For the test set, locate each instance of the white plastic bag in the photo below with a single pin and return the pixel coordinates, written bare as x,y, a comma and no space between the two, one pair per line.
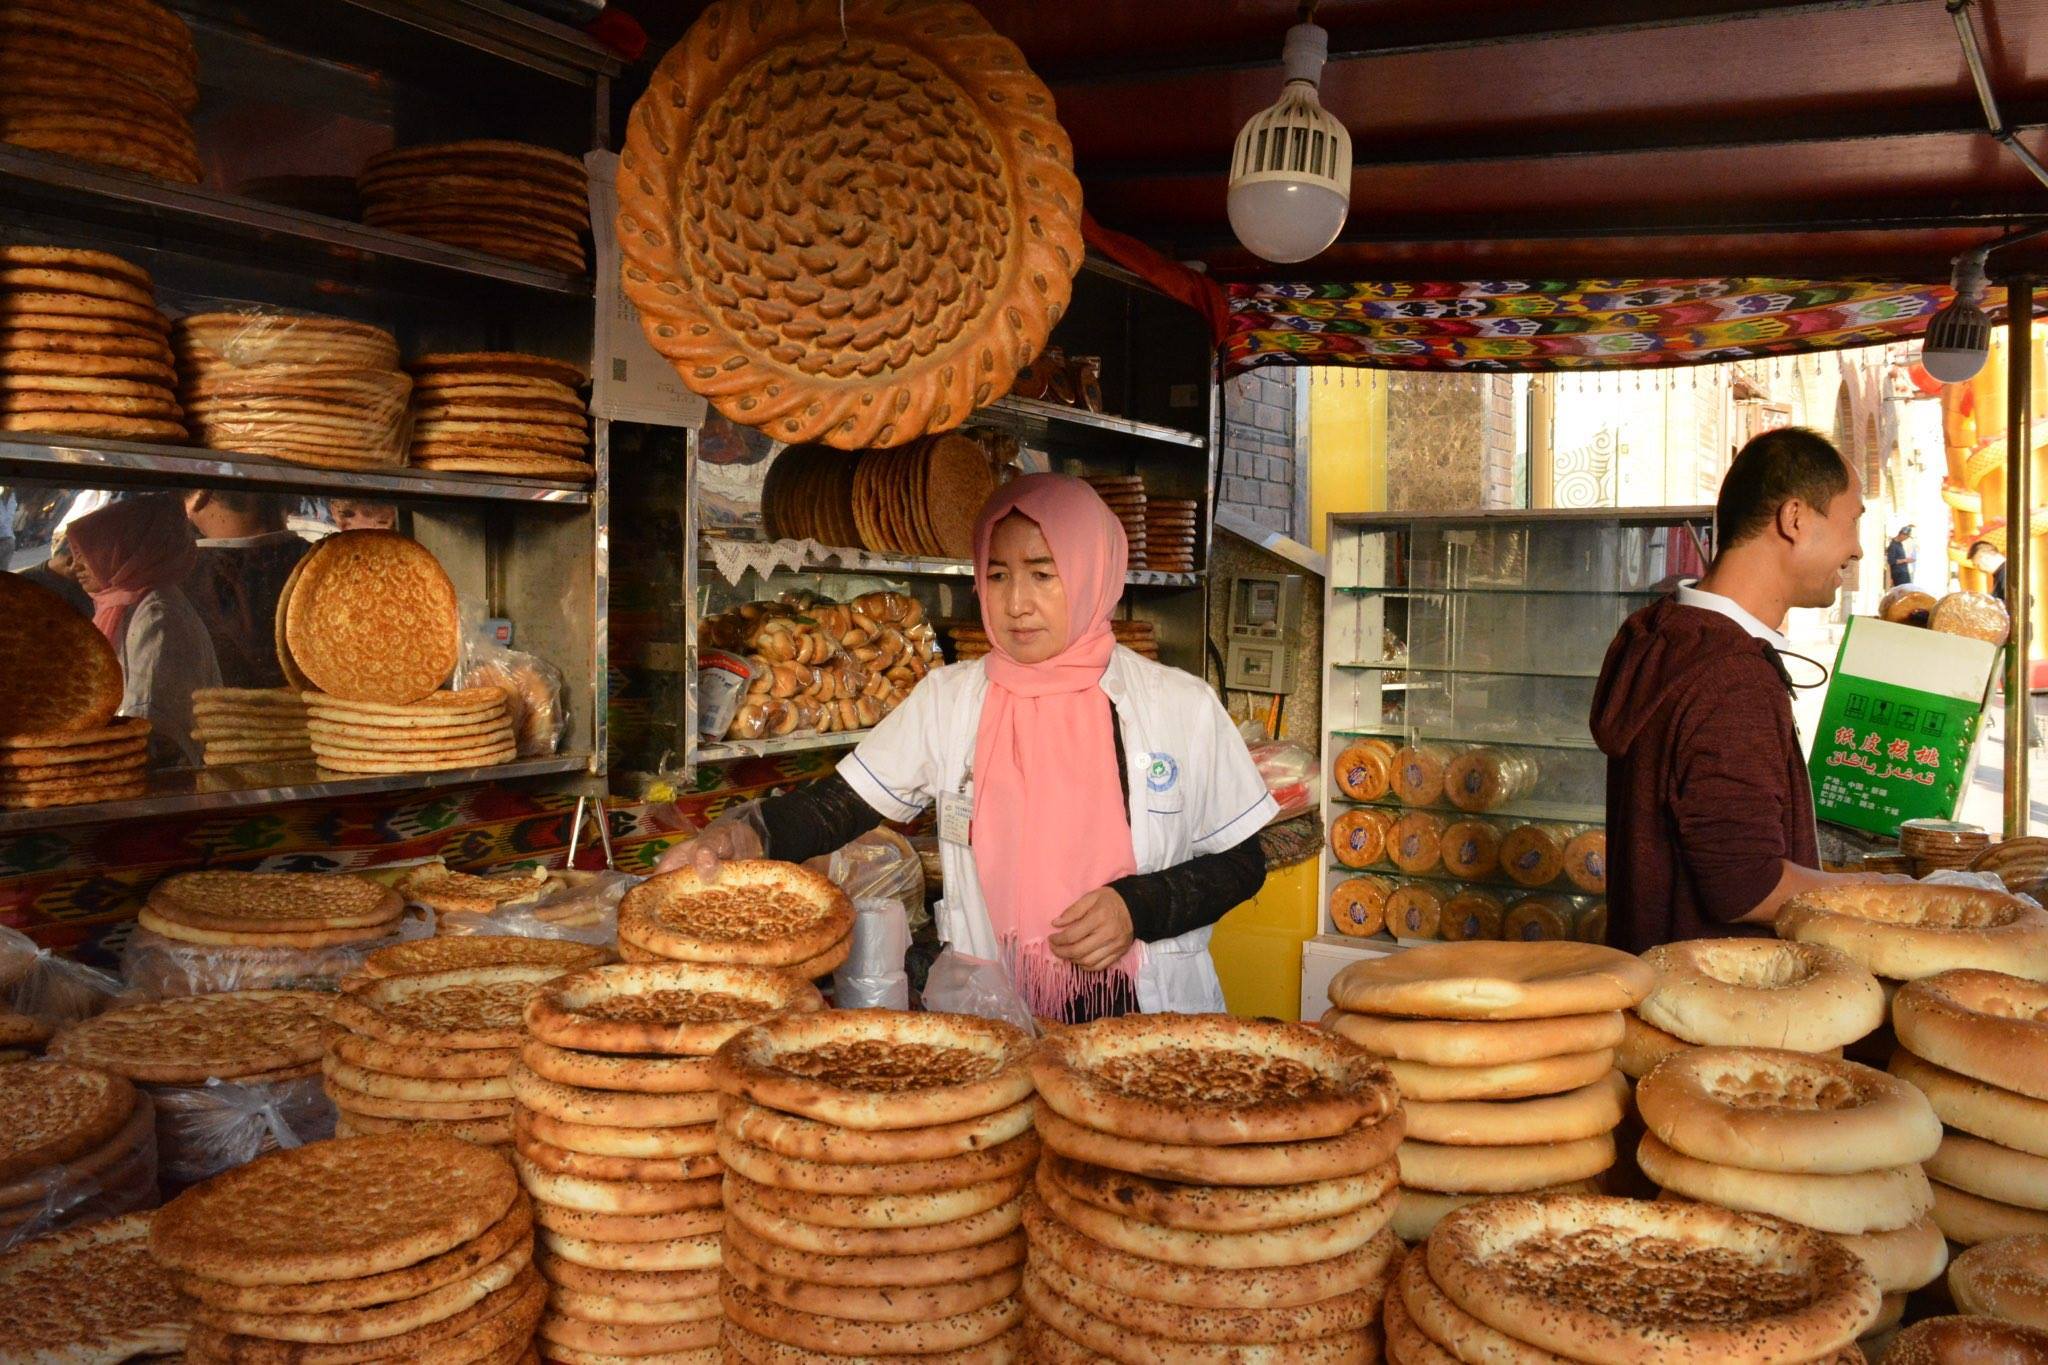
578,907
49,988
205,1129
58,1197
960,984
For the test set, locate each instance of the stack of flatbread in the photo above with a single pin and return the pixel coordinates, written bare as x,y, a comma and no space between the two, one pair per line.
76,1145
1210,1185
313,390
1817,1141
1904,931
1749,992
1976,1044
875,1171
1125,494
21,1036
416,957
1574,1277
90,1294
445,730
509,199
500,412
290,910
916,499
1170,534
251,1038
758,913
440,888
970,639
397,1247
614,1124
111,83
1505,1057
250,725
432,1051
82,347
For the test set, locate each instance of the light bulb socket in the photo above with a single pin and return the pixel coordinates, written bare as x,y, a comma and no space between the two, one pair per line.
1305,52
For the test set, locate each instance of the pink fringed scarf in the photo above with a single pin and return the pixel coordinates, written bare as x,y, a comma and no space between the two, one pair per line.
133,548
1050,823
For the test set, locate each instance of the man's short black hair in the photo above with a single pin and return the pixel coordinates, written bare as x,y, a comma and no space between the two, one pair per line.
1906,530
1977,545
1774,468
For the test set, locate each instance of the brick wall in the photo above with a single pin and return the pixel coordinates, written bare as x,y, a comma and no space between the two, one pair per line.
1261,449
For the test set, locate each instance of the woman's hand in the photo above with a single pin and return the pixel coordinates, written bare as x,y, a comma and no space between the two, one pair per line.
1094,931
717,843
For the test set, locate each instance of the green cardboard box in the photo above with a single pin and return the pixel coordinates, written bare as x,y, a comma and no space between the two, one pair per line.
1899,725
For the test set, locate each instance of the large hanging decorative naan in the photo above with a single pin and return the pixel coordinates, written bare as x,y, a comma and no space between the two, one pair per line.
854,235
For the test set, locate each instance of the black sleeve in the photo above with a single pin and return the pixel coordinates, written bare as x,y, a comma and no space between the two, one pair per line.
1192,894
814,819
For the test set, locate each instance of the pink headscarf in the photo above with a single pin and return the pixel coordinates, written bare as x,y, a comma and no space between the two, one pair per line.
132,548
1050,823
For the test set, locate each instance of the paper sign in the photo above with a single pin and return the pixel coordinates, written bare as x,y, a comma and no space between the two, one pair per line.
630,380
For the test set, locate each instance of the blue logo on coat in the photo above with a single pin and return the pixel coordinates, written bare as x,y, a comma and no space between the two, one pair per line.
1163,774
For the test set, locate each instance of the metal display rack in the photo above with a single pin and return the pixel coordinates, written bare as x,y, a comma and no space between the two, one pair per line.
362,74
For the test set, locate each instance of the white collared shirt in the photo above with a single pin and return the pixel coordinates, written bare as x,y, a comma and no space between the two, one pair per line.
1691,595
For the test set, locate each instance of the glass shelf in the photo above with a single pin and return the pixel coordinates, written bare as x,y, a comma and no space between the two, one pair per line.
1388,666
1037,419
1407,734
1513,813
725,751
1503,888
1500,590
831,559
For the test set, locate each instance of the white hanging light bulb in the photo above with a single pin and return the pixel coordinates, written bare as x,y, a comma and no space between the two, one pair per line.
1290,175
1959,336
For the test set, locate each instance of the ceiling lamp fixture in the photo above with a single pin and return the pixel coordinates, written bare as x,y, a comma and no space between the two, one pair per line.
1290,175
1959,336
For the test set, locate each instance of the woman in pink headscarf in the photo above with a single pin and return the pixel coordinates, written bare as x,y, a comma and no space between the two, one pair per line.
131,557
1097,812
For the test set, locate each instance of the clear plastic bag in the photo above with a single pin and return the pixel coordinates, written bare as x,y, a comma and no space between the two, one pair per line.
46,987
881,874
959,984
158,966
534,690
1289,771
203,1130
1978,881
578,907
99,1185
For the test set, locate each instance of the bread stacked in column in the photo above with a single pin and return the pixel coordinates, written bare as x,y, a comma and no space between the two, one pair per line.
1504,1053
1829,1144
875,1171
398,1247
1750,992
76,1145
1976,1044
1904,932
432,1051
1571,1277
1213,1189
614,1125
758,913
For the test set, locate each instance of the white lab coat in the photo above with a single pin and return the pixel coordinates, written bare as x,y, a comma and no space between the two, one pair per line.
1194,790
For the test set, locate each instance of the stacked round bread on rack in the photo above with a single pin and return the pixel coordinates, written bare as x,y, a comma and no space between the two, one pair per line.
305,910
1170,535
1903,932
250,725
614,1126
313,390
398,1247
91,1293
1750,992
177,1049
1976,1044
499,412
875,1171
82,345
1569,1278
419,956
510,199
2006,1278
1504,1053
76,1145
469,728
758,913
970,639
1125,496
1825,1143
113,85
433,1051
60,684
1212,1189
1365,770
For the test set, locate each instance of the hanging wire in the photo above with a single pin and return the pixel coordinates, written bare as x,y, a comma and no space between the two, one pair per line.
844,37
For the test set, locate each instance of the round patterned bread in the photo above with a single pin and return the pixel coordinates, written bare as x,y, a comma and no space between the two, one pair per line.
2004,1279
1759,992
477,1007
1877,1200
762,913
878,1069
1217,1208
56,1111
188,1039
763,287
1274,1163
684,1009
1987,1111
1628,1282
1968,1340
1984,1025
60,672
1481,980
809,1140
1573,1116
89,1294
373,618
1210,1079
335,1210
1477,1042
1774,1110
479,950
1907,932
281,901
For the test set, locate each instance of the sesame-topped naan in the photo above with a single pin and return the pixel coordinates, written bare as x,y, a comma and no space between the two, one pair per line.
281,901
89,1295
57,672
192,1038
477,1007
878,1069
53,1111
760,912
679,1009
